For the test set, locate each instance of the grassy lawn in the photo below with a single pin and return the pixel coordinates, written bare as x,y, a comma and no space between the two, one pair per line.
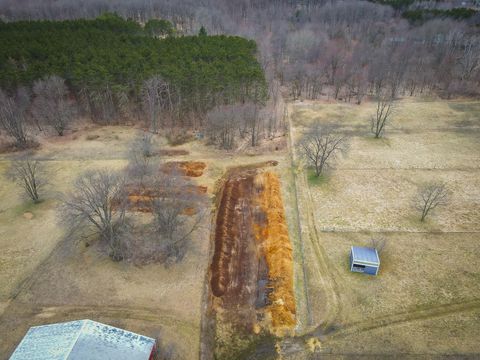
427,289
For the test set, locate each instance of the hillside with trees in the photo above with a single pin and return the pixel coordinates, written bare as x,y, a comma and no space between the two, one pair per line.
107,64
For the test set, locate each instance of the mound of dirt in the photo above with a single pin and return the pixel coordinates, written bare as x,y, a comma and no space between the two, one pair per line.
251,274
185,168
272,236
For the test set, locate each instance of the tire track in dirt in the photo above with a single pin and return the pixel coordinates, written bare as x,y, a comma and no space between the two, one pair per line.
156,315
408,316
324,274
297,345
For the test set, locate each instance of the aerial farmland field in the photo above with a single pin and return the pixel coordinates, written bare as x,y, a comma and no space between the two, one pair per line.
428,285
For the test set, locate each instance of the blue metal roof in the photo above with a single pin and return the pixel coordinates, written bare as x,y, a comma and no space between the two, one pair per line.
365,255
82,340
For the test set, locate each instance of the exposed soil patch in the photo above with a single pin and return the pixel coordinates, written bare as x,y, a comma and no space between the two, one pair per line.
185,168
172,152
141,198
251,274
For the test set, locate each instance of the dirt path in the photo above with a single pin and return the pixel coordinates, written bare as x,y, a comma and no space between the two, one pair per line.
320,266
408,316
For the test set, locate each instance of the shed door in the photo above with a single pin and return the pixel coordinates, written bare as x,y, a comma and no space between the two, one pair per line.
358,268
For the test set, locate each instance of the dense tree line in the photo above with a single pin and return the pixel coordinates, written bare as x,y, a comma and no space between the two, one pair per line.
424,14
345,49
107,63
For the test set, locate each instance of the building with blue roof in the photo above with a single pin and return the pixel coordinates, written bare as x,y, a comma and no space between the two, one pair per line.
83,340
364,260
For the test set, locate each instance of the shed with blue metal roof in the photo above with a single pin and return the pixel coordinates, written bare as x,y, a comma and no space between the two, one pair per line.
364,260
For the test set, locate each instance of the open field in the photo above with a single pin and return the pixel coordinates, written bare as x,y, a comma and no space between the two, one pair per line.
46,276
426,297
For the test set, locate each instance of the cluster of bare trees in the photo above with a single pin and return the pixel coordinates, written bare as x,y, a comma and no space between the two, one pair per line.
13,118
100,202
343,49
51,104
46,105
158,102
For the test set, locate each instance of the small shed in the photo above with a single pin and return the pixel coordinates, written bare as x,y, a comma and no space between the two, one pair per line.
83,340
364,260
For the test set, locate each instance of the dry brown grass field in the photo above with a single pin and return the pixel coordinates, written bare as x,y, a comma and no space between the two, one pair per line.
426,299
49,276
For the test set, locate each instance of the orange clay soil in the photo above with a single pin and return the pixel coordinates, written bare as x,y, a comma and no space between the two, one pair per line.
140,198
185,168
251,274
272,238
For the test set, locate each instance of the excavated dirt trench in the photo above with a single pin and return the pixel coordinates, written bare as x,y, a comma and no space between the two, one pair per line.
251,273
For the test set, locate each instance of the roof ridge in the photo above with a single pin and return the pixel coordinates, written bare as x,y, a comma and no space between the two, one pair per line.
84,322
123,330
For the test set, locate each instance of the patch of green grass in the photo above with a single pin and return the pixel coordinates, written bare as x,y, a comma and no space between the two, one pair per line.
378,141
250,347
315,180
471,107
27,206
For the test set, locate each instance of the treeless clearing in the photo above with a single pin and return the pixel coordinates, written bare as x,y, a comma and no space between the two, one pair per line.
427,288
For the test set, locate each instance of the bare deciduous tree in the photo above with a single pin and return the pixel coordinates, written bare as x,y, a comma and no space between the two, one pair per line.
12,120
99,199
51,104
30,175
140,155
157,97
178,213
320,146
430,196
221,125
384,110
